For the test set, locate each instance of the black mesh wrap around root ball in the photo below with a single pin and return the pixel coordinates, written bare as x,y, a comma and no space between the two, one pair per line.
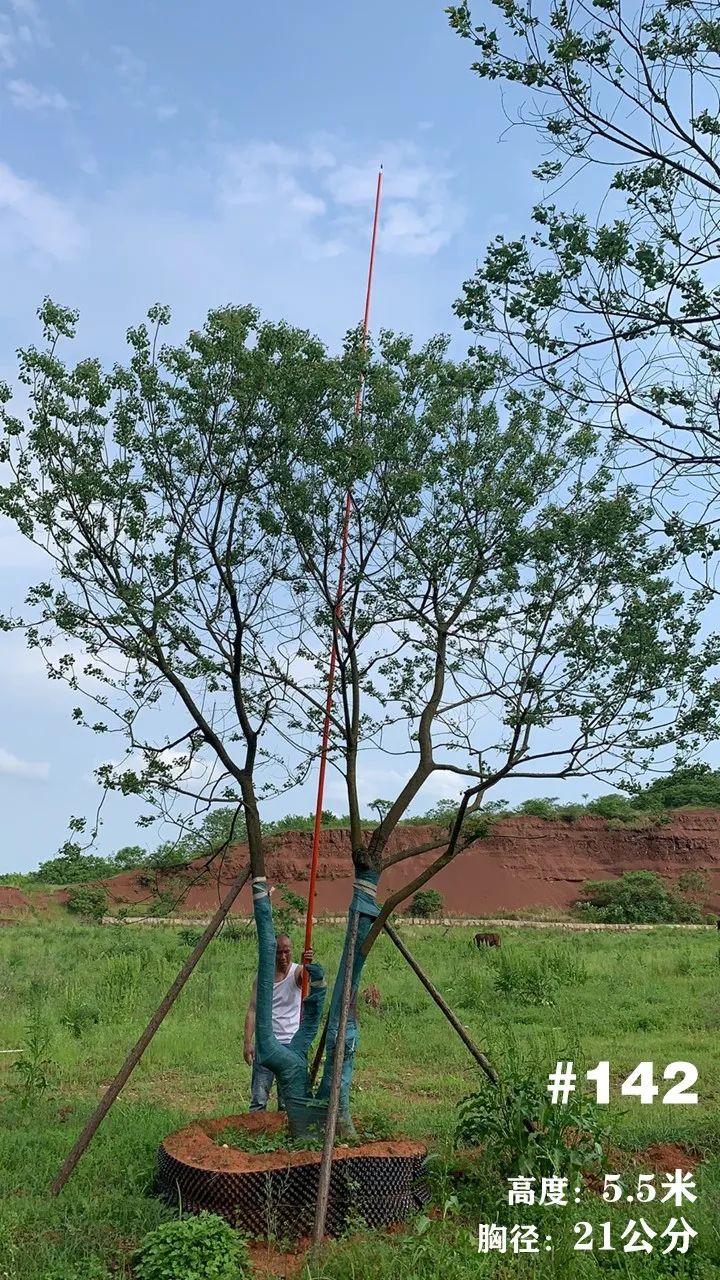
280,1201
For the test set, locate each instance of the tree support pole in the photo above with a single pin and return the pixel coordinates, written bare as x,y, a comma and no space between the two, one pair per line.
334,1096
319,1052
137,1052
338,604
479,1057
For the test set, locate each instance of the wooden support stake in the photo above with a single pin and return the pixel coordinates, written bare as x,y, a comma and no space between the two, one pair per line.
334,1098
454,1021
137,1052
319,1053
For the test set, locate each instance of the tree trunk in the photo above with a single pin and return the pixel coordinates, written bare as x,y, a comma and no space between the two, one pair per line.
364,905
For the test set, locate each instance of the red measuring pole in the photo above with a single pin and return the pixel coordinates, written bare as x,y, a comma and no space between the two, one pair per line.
338,606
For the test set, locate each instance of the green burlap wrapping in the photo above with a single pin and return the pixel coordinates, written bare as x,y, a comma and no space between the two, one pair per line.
363,902
289,1062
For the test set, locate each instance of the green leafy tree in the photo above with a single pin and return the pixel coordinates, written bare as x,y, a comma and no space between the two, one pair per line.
545,807
507,611
426,903
609,302
698,786
636,897
73,866
129,857
614,805
380,807
89,901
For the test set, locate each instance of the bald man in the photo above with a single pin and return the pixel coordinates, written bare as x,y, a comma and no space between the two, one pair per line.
286,1006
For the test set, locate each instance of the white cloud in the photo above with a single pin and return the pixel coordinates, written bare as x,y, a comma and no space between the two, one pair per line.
304,185
32,218
12,766
8,56
265,174
420,213
20,29
255,223
136,85
28,97
130,68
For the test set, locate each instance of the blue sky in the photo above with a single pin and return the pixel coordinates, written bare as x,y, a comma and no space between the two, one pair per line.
202,154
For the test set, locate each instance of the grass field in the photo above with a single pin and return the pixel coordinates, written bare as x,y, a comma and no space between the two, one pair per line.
87,991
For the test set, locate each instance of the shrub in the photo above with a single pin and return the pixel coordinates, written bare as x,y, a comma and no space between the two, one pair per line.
32,1068
563,1139
526,979
79,1017
636,897
613,806
73,867
571,812
304,822
426,903
191,936
89,901
540,808
163,904
194,1248
692,883
232,932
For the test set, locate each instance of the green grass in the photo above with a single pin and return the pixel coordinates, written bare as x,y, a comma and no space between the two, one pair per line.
624,997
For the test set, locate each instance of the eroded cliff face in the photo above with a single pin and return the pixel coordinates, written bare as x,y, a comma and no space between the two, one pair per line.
525,862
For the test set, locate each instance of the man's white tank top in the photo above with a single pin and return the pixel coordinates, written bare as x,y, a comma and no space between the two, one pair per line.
287,999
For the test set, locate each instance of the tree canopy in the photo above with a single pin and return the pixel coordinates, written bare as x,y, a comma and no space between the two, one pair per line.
698,786
508,609
610,302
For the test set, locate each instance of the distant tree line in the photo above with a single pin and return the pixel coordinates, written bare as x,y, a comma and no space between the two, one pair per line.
697,786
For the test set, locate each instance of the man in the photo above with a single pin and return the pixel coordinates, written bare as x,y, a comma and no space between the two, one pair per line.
286,1007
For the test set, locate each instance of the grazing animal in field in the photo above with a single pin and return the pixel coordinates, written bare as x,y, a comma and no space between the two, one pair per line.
487,939
371,996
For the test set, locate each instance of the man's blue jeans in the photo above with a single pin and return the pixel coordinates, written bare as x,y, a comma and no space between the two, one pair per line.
262,1082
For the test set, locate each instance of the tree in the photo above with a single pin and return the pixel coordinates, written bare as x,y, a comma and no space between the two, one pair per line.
506,611
427,903
636,897
70,867
611,305
381,807
697,785
129,857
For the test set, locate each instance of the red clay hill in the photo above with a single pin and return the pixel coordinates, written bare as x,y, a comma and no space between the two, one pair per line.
524,862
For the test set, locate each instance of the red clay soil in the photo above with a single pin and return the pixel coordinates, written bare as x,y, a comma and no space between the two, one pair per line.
194,1145
666,1157
12,899
270,1263
525,862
